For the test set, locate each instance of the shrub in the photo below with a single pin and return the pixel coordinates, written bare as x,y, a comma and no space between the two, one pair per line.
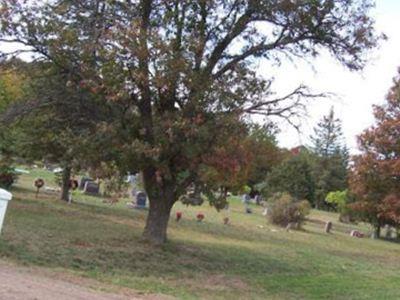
285,209
7,177
341,200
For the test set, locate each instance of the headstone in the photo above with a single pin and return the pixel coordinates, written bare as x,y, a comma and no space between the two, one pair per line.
192,198
91,188
328,227
356,233
258,199
292,226
141,199
83,182
5,197
246,199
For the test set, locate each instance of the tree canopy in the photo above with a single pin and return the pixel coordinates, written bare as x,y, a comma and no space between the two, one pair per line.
331,157
375,176
184,70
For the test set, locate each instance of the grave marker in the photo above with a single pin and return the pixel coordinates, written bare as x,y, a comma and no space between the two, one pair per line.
91,188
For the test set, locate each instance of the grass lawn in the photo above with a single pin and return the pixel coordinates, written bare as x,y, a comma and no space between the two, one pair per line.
248,259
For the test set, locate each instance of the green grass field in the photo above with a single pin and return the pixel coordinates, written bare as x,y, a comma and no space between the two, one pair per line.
248,259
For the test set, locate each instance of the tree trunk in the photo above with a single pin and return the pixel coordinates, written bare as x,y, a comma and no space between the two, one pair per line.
65,186
155,231
378,231
162,197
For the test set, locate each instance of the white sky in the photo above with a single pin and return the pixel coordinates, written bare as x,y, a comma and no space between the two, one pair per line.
356,92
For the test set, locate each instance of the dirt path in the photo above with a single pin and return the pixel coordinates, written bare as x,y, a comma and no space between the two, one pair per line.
22,283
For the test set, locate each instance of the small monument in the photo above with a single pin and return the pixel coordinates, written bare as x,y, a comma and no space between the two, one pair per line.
292,226
246,201
5,197
265,212
328,227
356,233
83,182
91,188
141,199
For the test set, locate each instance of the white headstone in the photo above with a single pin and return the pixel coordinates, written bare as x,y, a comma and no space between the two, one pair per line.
5,197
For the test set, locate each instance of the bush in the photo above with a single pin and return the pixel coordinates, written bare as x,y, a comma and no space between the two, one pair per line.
7,177
341,200
284,209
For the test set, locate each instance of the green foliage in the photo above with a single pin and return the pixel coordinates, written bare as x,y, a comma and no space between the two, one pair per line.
294,176
7,176
191,198
103,243
374,178
331,157
338,198
265,152
173,72
58,178
328,139
284,209
341,201
13,83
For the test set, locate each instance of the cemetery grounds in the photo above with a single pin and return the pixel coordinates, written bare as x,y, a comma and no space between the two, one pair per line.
248,259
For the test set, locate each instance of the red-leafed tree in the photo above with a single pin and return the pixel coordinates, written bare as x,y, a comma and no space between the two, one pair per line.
375,176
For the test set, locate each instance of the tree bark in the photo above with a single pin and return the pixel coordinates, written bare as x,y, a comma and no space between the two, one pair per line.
65,186
162,197
155,231
378,231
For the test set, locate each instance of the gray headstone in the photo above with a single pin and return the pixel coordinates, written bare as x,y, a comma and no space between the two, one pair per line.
141,199
328,227
91,188
83,182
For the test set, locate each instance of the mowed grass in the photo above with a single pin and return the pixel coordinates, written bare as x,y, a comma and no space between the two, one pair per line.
249,259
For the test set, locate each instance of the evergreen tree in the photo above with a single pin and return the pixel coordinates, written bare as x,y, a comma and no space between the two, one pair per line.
327,140
330,169
294,176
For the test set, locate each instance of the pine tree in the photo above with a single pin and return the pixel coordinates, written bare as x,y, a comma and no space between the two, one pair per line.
331,157
328,138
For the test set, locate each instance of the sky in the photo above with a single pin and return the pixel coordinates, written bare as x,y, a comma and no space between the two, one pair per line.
354,92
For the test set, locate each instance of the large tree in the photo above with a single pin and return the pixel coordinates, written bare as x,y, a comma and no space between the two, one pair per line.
294,176
331,157
265,152
53,121
13,83
375,176
184,66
